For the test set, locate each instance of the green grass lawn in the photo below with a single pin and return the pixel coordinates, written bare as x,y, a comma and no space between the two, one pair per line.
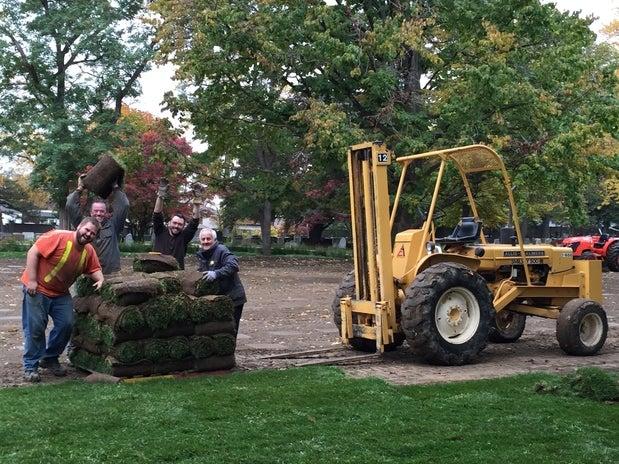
306,415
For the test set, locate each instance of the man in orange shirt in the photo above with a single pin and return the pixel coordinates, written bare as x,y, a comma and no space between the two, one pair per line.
53,264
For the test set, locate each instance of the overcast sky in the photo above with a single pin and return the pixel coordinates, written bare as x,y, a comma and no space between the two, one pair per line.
158,80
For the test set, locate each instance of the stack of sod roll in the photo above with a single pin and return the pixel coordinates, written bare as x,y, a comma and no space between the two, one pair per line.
152,323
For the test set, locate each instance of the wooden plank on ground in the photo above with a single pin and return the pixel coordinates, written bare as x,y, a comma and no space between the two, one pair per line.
345,360
299,354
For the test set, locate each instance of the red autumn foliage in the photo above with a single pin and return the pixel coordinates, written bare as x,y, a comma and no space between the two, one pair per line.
154,151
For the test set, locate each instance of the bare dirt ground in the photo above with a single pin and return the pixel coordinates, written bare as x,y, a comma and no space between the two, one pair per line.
289,310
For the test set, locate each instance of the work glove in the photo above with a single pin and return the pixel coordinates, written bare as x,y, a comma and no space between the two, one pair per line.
197,191
162,191
209,276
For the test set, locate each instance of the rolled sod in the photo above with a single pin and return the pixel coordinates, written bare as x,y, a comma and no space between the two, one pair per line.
94,332
202,346
84,286
160,313
211,308
224,344
154,262
126,277
156,350
127,319
90,345
177,329
179,348
103,175
129,352
169,282
106,365
215,327
89,361
131,292
88,327
86,304
193,284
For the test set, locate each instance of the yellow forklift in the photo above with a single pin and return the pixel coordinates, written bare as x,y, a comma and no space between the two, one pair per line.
447,297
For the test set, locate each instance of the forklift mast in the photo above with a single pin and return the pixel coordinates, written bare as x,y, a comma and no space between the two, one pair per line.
374,304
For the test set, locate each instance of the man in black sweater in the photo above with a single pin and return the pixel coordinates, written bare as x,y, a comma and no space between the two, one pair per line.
174,239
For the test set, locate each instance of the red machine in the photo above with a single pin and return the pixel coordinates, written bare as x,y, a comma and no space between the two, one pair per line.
598,246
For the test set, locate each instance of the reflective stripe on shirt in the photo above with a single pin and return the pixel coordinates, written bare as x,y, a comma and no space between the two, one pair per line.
61,263
80,265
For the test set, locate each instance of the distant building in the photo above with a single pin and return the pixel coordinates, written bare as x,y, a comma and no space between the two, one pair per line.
15,222
47,216
9,214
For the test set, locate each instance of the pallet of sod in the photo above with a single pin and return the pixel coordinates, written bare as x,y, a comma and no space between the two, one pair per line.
144,324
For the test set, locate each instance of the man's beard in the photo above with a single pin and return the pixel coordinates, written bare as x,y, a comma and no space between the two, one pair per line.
82,240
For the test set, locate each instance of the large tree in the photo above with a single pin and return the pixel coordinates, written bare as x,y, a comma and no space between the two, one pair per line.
241,109
66,66
518,75
532,82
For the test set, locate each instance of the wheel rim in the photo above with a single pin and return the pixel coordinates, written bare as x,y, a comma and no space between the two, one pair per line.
457,315
505,320
591,329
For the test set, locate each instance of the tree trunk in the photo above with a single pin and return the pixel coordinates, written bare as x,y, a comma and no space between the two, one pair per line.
63,218
315,233
140,230
546,228
265,227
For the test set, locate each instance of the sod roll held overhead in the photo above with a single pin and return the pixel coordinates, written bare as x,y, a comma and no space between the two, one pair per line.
132,291
103,175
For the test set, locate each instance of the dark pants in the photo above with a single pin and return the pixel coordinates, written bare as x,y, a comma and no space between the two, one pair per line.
237,316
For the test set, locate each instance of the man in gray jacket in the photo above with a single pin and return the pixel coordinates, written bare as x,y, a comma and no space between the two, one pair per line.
112,223
218,264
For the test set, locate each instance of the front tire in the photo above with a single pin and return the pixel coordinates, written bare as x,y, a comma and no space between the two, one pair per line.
446,314
582,327
612,257
347,288
588,256
507,326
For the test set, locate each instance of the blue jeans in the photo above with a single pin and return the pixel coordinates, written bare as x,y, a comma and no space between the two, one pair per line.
36,311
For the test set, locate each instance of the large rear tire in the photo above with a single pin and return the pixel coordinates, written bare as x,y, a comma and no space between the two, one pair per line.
446,314
347,288
507,326
612,256
582,327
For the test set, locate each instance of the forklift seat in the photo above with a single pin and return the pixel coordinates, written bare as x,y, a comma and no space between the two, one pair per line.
468,230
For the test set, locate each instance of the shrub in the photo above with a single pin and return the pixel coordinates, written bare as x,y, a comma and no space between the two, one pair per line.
136,247
14,244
